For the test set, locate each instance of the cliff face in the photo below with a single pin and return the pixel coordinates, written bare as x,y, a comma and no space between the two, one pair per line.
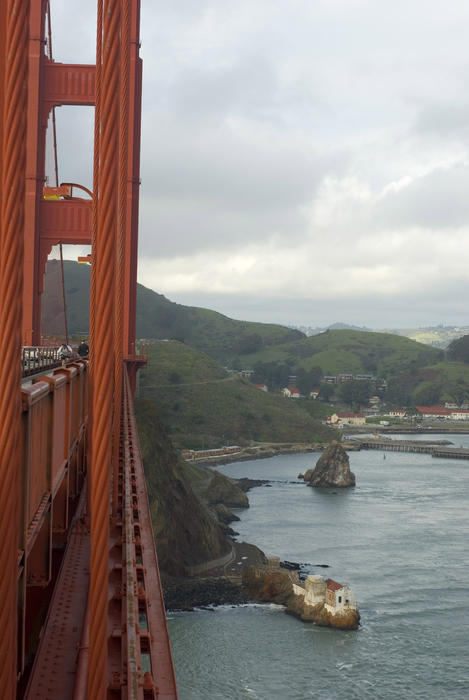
332,468
186,533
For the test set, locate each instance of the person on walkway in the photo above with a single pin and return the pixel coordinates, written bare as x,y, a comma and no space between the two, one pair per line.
83,349
64,353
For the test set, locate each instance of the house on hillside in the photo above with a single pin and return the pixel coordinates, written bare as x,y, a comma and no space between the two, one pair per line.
397,413
291,392
262,387
344,378
314,394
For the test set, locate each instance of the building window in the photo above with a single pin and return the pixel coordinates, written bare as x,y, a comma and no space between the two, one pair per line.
340,599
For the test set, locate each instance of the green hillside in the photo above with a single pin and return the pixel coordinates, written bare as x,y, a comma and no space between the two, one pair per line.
157,317
435,384
172,362
201,406
346,351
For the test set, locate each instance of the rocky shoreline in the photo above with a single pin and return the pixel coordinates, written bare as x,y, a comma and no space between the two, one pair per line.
248,575
187,594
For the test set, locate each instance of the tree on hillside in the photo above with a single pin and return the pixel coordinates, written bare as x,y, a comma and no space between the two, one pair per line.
459,391
399,390
326,391
428,395
355,392
459,349
251,342
307,380
274,374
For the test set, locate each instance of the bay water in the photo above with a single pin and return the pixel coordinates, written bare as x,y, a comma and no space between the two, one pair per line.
400,539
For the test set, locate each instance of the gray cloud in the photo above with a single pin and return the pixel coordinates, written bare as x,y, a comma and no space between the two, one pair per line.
308,156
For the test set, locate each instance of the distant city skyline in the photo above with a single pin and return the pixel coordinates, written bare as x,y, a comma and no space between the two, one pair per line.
302,163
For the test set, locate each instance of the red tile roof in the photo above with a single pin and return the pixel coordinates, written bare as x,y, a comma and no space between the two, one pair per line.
434,410
351,415
333,585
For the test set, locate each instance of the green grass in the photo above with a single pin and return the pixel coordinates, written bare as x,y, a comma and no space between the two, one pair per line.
201,406
172,362
216,414
453,371
450,378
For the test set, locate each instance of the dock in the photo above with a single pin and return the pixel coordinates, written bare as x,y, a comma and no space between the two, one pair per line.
415,446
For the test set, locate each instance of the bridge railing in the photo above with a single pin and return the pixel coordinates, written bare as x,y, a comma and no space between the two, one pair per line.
54,419
38,358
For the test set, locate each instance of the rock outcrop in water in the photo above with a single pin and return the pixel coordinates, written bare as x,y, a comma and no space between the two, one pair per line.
332,469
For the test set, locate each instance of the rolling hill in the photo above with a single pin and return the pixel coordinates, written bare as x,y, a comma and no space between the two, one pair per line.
157,317
348,351
416,373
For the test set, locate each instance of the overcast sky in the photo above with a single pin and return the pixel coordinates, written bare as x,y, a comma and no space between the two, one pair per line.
303,161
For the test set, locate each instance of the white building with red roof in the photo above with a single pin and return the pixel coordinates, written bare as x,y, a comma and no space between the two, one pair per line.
434,411
335,596
291,392
341,419
338,596
459,414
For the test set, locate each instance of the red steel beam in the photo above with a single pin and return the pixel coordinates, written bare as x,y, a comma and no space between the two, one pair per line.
68,84
14,15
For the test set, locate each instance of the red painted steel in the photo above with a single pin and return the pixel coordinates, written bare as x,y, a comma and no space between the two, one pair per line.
133,183
35,172
54,418
112,642
68,84
103,271
155,652
121,234
55,666
48,223
14,65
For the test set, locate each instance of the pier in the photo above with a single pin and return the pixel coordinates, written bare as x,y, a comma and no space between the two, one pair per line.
414,446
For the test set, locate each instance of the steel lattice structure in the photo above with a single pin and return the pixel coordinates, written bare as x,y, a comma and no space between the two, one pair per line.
82,612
